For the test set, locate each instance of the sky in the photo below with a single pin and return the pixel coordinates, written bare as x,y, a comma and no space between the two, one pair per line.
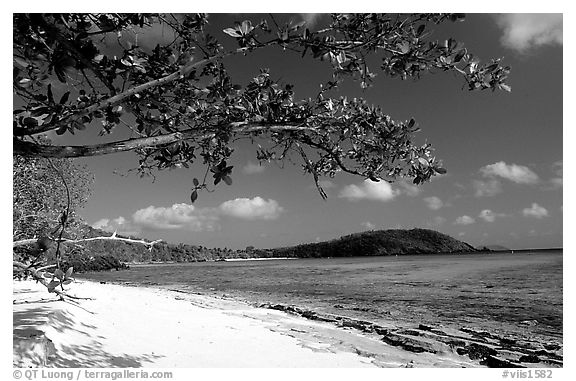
502,151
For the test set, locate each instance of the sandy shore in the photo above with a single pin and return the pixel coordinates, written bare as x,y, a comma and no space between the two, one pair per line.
122,326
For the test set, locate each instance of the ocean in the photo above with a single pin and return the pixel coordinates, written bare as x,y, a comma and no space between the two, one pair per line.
518,295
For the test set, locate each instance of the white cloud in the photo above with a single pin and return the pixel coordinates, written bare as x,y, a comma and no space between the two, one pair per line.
535,211
251,209
524,31
464,220
433,202
119,225
409,189
101,224
513,172
489,216
178,216
487,188
368,225
369,190
252,168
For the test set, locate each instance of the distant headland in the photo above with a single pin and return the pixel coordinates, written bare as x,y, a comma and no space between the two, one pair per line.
103,255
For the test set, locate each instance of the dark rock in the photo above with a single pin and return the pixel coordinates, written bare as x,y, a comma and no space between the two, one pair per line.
338,306
408,343
462,351
496,362
505,341
410,332
529,358
357,324
551,355
423,327
552,346
380,330
478,351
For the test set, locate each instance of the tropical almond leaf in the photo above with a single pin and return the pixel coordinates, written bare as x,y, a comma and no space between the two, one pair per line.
59,274
194,196
227,179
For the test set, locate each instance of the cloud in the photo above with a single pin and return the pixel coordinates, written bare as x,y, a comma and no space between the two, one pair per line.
119,225
252,168
178,216
190,218
368,225
369,190
523,32
251,209
535,211
409,189
433,202
465,220
513,172
487,188
489,216
101,224
556,182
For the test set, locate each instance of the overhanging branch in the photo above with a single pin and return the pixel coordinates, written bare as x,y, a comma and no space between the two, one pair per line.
29,149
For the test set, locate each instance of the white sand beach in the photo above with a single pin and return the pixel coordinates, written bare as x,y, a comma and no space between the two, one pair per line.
123,326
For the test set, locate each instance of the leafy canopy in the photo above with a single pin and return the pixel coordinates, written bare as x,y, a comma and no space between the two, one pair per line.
179,104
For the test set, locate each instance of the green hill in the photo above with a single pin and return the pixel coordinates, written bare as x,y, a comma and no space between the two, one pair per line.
106,254
380,242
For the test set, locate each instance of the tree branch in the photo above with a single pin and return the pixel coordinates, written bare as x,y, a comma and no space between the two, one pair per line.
24,148
113,237
181,73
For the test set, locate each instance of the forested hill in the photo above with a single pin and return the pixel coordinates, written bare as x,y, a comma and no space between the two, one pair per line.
380,242
371,243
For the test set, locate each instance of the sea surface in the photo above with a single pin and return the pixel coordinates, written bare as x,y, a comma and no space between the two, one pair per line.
517,294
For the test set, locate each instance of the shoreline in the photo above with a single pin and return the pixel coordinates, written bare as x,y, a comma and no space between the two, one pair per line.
123,326
235,333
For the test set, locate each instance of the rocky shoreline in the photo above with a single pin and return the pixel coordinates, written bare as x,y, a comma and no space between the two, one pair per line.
486,348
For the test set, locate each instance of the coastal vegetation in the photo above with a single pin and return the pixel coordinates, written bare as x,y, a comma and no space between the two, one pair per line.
117,254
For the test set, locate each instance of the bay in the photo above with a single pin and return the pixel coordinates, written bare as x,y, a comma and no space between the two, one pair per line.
518,295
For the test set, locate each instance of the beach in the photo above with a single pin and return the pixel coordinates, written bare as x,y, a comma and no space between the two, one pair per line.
124,326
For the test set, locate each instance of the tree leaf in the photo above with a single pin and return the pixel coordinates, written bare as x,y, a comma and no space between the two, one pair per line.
440,170
64,98
30,122
69,272
227,179
59,274
232,32
420,30
53,284
195,181
194,196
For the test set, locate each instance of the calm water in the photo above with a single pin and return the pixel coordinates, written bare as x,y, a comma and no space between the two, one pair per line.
494,291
